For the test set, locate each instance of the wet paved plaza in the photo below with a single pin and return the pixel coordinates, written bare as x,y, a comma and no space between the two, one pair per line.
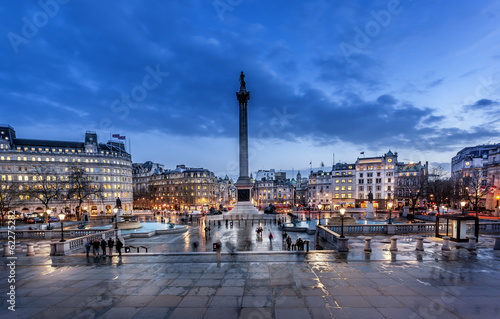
266,282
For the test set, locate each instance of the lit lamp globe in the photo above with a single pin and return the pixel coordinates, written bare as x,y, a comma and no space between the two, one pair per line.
342,211
390,205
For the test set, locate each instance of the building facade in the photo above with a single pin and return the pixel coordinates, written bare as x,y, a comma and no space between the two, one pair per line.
411,182
141,177
184,189
376,175
107,167
226,191
343,186
478,166
320,190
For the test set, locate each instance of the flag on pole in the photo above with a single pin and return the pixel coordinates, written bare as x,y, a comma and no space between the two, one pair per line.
362,152
116,135
121,137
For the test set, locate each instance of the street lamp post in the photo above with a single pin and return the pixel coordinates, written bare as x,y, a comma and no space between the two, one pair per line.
463,205
48,216
61,219
390,213
115,210
498,198
319,213
342,212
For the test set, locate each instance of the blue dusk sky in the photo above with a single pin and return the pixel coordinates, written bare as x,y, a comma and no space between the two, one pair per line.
328,79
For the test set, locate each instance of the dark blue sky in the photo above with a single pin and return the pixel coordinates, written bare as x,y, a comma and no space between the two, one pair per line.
326,77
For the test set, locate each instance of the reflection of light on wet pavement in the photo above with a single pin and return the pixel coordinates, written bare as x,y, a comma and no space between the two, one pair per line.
242,236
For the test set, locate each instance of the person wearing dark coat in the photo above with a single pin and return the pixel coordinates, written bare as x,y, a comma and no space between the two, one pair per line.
103,247
95,246
111,243
119,246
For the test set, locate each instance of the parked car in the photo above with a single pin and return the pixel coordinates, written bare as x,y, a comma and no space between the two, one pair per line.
32,220
53,219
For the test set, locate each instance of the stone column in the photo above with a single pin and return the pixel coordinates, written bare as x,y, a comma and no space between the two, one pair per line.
497,243
30,251
394,244
6,251
446,243
243,96
368,246
472,243
420,243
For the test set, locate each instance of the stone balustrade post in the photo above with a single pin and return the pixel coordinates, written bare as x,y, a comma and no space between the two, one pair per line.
394,244
368,242
420,243
472,243
343,244
446,243
30,251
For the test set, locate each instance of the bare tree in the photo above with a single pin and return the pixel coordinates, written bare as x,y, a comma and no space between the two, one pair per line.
475,187
412,189
82,188
9,195
143,198
48,185
439,188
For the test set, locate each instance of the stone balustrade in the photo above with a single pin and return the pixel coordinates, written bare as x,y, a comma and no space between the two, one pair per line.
71,245
412,228
50,234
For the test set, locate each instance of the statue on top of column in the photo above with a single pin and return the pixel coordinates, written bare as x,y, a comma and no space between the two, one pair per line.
242,81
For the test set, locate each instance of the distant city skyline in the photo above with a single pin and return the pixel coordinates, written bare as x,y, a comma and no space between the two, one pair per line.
420,79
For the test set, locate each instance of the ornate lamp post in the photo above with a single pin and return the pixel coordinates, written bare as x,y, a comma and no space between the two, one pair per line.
115,210
41,216
342,213
390,212
61,219
319,213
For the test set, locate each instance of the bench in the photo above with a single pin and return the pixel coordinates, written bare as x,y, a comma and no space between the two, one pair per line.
127,248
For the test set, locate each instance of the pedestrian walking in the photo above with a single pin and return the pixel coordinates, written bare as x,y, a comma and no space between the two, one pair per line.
103,247
218,248
119,246
111,244
271,237
95,246
288,242
87,247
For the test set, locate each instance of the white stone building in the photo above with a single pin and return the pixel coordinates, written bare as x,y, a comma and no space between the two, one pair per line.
108,166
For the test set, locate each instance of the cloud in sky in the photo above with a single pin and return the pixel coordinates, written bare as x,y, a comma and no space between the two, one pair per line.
171,69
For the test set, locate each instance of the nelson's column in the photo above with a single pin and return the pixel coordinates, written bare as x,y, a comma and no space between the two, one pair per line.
244,185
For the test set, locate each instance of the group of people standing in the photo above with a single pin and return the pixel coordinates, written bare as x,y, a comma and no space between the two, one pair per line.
102,244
